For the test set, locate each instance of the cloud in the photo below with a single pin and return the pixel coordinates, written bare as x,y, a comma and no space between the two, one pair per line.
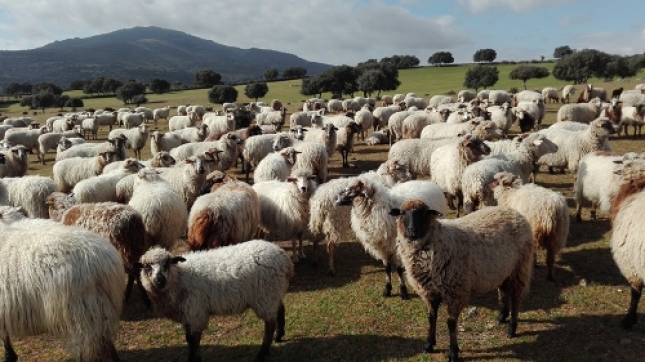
333,31
567,20
613,43
478,6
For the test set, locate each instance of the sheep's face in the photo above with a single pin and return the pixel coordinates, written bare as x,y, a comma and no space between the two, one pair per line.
330,130
199,165
20,152
57,203
133,165
356,189
165,159
504,181
413,219
290,155
155,268
305,183
214,178
604,125
299,133
476,146
540,145
280,142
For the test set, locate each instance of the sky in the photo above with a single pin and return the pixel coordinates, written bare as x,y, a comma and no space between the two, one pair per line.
345,31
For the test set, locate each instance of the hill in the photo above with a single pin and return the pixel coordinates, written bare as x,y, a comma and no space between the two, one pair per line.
142,53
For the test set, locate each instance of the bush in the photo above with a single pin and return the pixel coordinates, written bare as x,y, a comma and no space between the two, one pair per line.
222,94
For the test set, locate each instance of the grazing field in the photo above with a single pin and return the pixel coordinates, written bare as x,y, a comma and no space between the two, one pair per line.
345,318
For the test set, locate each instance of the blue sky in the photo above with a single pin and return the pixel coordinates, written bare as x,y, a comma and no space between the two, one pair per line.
343,31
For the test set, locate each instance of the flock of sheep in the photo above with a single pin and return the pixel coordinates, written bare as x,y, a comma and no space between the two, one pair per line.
104,218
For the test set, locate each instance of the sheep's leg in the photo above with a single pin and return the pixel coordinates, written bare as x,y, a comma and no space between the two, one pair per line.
503,294
110,350
515,308
193,340
550,260
631,318
579,211
9,354
294,252
453,352
128,288
267,339
345,155
279,332
247,170
593,210
330,251
403,290
432,330
301,250
388,280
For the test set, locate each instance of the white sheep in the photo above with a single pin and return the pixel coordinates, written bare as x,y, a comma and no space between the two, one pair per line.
487,129
499,97
255,149
395,123
466,95
568,91
547,211
179,122
193,134
477,176
116,145
307,119
381,115
29,193
15,163
284,208
227,213
219,124
276,166
164,142
413,125
581,112
70,171
187,177
188,289
345,140
162,208
148,114
181,110
572,146
413,101
447,261
49,141
25,137
159,113
90,126
550,94
326,136
106,119
313,156
81,285
129,120
569,126
228,144
501,116
633,116
103,187
136,138
364,118
382,137
63,124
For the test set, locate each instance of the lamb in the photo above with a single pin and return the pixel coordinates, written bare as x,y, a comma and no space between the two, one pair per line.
228,215
276,166
82,284
193,134
15,162
567,93
180,122
187,177
162,208
333,221
572,146
90,126
364,119
477,176
164,142
633,116
29,193
449,260
546,211
284,207
370,204
626,237
50,141
115,145
189,288
327,136
345,141
136,138
70,171
120,224
583,113
499,97
103,187
379,137
159,113
551,94
448,162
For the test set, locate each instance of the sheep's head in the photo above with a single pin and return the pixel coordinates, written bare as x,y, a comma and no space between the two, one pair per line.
304,181
475,146
281,141
330,130
163,159
197,164
213,154
539,145
289,155
20,152
413,217
359,188
298,132
353,128
253,130
504,181
59,202
132,165
155,267
398,171
214,180
603,125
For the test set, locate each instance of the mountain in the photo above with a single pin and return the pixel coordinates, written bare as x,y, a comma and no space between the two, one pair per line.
142,53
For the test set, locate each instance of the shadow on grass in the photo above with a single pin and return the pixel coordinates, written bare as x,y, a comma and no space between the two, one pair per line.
338,348
587,231
577,338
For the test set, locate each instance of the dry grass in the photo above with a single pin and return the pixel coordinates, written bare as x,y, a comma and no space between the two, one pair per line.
345,318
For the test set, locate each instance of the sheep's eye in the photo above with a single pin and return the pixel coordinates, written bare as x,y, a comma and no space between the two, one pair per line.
147,268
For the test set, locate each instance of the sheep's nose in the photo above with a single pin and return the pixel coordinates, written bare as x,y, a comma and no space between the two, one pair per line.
303,189
159,281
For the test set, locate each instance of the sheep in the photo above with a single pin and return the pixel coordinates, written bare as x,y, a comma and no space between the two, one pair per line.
17,122
483,95
50,141
120,224
499,97
591,92
546,211
78,297
228,145
449,260
479,126
276,118
415,153
25,137
327,136
337,105
135,138
616,92
569,126
164,142
179,122
626,237
436,101
181,110
15,162
633,116
505,146
189,288
448,162
568,92
255,149
398,98
161,206
364,119
161,159
501,116
527,96
345,141
129,120
395,123
115,145
313,157
29,193
387,100
187,177
276,166
148,114
106,119
413,125
551,94
583,113
284,207
379,137
307,119
478,175
412,101
103,187
198,109
381,115
193,134
90,126
572,146
63,124
70,171
219,124
229,214
466,95
159,113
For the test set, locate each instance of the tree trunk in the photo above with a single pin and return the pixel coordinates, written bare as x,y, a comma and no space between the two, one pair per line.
524,85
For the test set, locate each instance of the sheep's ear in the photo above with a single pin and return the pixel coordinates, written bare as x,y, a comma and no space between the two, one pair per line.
619,162
292,179
189,161
177,259
434,213
396,212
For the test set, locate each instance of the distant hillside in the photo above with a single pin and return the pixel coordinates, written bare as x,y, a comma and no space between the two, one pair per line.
142,53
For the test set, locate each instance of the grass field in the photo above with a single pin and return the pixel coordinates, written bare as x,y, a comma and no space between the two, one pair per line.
345,318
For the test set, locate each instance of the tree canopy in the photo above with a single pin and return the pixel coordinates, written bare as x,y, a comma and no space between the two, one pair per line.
294,73
47,87
256,90
481,76
401,61
484,55
74,103
18,88
582,65
562,51
130,89
222,94
526,72
440,58
207,78
159,86
102,85
271,74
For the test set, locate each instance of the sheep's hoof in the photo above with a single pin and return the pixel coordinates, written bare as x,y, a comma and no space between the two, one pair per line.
628,321
403,291
429,348
388,290
512,328
501,318
278,337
